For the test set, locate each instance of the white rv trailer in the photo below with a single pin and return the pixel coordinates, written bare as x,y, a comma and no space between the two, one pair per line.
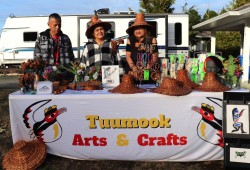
18,36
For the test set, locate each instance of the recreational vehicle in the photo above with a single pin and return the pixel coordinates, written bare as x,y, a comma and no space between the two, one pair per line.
20,33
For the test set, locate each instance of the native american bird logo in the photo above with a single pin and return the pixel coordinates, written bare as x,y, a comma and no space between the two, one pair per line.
44,125
209,123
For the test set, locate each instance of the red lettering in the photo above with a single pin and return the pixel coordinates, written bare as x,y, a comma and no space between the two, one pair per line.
170,139
86,141
151,141
89,141
103,142
77,140
183,140
141,141
161,141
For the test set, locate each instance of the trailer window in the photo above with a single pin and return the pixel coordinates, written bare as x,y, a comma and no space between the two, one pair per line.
110,34
152,23
29,36
178,33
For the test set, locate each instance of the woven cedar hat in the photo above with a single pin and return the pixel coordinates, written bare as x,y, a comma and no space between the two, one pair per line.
172,87
95,22
211,84
182,75
139,22
127,86
25,155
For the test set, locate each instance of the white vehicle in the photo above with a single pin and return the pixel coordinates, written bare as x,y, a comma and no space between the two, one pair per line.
20,33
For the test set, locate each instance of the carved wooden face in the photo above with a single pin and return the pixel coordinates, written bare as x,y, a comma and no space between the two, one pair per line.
211,66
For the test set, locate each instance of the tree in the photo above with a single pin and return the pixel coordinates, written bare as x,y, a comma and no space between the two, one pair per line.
209,14
229,42
223,11
156,6
236,4
194,18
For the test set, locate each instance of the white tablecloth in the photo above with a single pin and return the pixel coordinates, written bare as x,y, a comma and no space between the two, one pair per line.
101,125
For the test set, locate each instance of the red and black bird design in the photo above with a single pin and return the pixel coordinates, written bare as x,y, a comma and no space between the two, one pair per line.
44,125
209,123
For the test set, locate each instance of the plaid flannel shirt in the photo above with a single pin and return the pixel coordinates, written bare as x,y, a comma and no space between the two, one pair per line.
44,48
98,55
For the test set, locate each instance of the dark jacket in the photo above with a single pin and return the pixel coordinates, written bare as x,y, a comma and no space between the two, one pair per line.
44,48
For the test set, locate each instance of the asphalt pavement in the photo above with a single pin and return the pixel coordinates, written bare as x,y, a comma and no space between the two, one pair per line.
8,82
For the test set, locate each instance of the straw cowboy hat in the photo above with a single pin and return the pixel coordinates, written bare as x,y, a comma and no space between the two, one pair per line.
25,155
139,22
127,86
95,22
211,84
172,87
182,75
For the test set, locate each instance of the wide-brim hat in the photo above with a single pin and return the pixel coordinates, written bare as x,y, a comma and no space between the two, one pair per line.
127,86
211,84
139,22
172,87
25,155
182,75
95,22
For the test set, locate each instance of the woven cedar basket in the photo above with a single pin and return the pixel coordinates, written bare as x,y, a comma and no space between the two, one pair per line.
127,86
182,75
211,84
90,85
172,87
25,155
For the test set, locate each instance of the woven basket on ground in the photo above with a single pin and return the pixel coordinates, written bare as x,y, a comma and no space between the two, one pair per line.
25,155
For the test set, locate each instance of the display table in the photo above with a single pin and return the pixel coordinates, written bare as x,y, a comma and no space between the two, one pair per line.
101,125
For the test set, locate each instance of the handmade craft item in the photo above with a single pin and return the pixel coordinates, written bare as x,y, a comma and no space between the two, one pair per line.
127,86
172,66
194,70
181,61
25,155
164,68
201,72
211,84
182,75
172,87
155,72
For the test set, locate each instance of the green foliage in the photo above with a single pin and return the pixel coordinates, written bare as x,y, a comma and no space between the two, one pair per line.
232,70
236,4
194,18
209,14
156,6
228,43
